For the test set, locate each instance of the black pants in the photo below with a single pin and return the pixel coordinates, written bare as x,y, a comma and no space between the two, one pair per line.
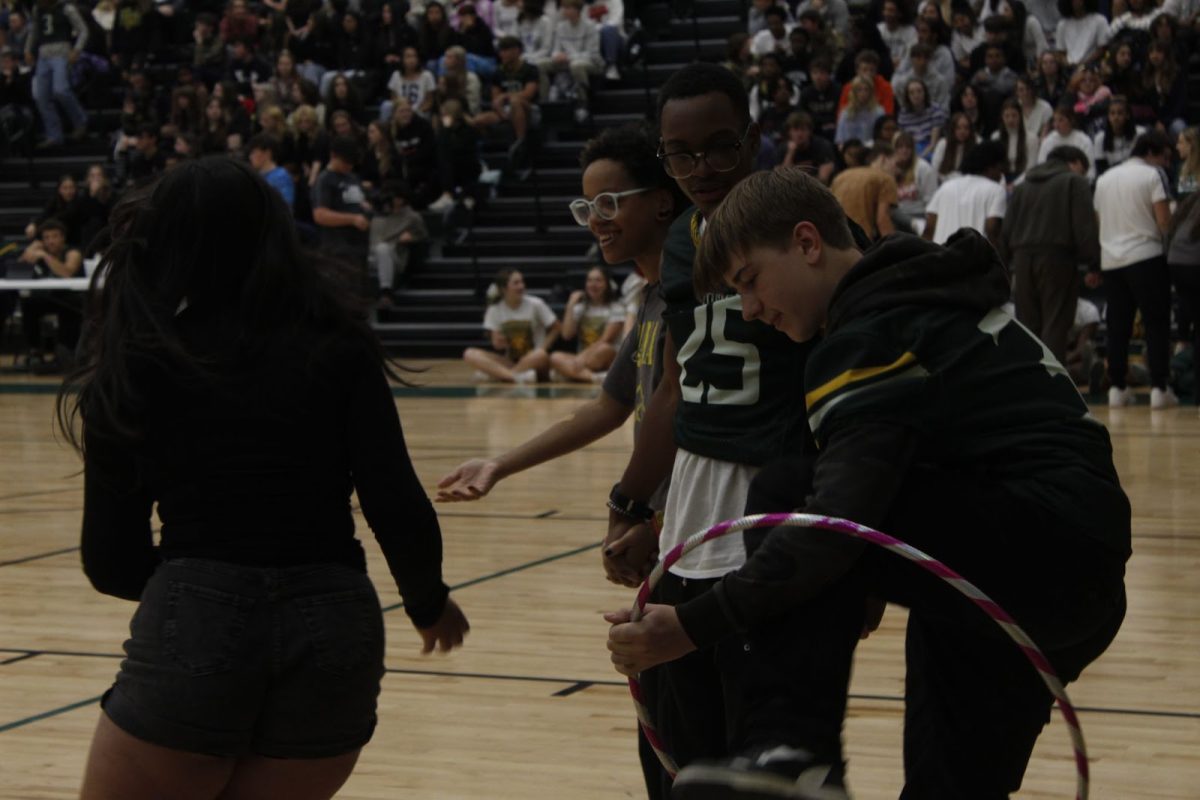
1186,278
694,700
1145,285
66,306
974,706
1045,291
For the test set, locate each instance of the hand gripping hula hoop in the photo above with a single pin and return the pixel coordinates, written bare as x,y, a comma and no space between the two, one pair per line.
926,562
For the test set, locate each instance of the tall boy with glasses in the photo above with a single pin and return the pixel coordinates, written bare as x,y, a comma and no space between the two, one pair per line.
731,400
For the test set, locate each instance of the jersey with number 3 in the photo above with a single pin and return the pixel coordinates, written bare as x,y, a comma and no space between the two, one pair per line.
741,383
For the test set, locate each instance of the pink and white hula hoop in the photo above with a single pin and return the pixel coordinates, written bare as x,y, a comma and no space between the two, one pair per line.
926,562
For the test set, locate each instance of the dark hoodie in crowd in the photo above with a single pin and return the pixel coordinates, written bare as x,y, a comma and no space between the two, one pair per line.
921,373
1051,213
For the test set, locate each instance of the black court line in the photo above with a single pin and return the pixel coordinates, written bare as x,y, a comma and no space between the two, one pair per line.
54,712
511,570
526,517
492,576
489,676
15,659
36,556
71,653
39,493
573,685
38,510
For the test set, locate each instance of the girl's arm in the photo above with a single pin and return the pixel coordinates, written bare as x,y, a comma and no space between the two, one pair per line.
117,545
552,335
473,479
499,340
570,324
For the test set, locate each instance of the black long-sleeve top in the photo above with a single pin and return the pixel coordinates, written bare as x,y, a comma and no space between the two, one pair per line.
258,470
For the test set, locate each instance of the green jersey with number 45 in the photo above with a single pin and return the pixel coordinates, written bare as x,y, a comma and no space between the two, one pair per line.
741,383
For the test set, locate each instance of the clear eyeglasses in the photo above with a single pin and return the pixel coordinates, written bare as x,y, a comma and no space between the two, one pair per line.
605,205
721,157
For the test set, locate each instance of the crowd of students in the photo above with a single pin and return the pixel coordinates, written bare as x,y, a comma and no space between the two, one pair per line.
408,89
953,74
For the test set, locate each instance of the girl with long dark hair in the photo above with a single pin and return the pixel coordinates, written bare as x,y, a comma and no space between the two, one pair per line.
1019,148
948,154
1166,88
230,379
1114,143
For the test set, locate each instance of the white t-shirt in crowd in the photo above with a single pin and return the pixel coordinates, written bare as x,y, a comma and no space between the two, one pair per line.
592,320
1124,201
898,41
1079,37
765,42
1122,147
524,326
1038,118
912,198
967,201
414,90
1076,138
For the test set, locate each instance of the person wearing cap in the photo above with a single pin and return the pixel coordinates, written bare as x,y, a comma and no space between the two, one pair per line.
340,206
514,95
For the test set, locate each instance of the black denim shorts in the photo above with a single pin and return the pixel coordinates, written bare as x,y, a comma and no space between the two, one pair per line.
233,660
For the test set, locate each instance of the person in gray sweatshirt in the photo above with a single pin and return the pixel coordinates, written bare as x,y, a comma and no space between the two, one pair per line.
1048,231
575,49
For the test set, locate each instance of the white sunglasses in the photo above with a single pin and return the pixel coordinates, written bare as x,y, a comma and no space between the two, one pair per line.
605,205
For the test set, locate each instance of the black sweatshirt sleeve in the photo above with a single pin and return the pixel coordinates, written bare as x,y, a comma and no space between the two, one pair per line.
117,545
393,502
858,475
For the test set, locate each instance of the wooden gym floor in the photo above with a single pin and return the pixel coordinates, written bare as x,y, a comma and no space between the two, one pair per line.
530,708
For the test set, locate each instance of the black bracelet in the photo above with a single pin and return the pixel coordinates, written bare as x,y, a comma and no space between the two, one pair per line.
628,507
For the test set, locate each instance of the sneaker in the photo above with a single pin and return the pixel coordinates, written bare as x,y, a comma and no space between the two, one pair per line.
516,153
581,115
528,376
763,774
442,204
612,73
1119,397
1163,398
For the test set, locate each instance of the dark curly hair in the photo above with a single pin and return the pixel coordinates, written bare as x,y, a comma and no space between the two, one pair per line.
633,146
